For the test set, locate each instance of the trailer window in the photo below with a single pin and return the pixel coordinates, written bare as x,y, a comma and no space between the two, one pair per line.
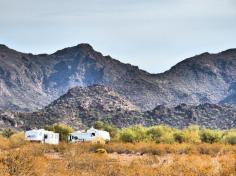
92,134
74,137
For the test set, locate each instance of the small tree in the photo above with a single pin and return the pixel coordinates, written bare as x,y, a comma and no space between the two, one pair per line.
127,135
161,134
230,138
179,136
62,129
210,136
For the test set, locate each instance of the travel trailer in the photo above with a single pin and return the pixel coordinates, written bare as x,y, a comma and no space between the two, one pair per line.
43,136
91,134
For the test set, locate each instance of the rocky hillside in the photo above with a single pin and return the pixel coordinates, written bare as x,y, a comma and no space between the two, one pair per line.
207,115
206,78
29,82
81,106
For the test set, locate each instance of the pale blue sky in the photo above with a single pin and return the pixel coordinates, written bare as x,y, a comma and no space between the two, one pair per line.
153,34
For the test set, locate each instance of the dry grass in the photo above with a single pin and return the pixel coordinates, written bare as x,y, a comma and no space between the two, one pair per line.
150,159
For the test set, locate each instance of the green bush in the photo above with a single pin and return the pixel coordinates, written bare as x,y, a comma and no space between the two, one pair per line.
210,136
179,136
140,132
161,134
127,135
191,134
230,137
136,133
62,129
167,135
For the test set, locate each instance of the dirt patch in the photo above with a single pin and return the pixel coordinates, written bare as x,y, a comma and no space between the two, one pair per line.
127,159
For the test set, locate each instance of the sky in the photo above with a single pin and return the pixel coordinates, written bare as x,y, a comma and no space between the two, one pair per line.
152,34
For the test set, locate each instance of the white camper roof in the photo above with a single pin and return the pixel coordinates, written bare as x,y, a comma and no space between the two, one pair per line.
40,130
95,130
90,130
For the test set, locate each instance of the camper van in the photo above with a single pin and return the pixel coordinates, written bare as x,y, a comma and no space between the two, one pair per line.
89,135
43,136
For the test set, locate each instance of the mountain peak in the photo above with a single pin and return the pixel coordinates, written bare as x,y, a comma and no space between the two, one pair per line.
3,46
229,51
85,47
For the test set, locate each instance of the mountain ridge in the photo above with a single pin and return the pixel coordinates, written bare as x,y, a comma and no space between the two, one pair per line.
29,82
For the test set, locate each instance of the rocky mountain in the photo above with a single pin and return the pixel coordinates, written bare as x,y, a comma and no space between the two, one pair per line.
82,106
79,107
29,82
206,115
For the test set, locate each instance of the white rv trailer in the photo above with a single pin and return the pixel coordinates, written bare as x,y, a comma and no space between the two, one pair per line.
43,136
89,135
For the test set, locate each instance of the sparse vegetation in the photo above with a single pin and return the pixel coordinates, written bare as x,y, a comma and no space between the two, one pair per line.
121,159
158,150
168,135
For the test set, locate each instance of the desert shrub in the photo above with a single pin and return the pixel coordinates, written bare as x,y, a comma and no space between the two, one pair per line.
17,139
62,129
161,134
7,133
18,162
4,142
210,136
208,149
179,136
127,135
140,132
191,134
230,137
134,133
